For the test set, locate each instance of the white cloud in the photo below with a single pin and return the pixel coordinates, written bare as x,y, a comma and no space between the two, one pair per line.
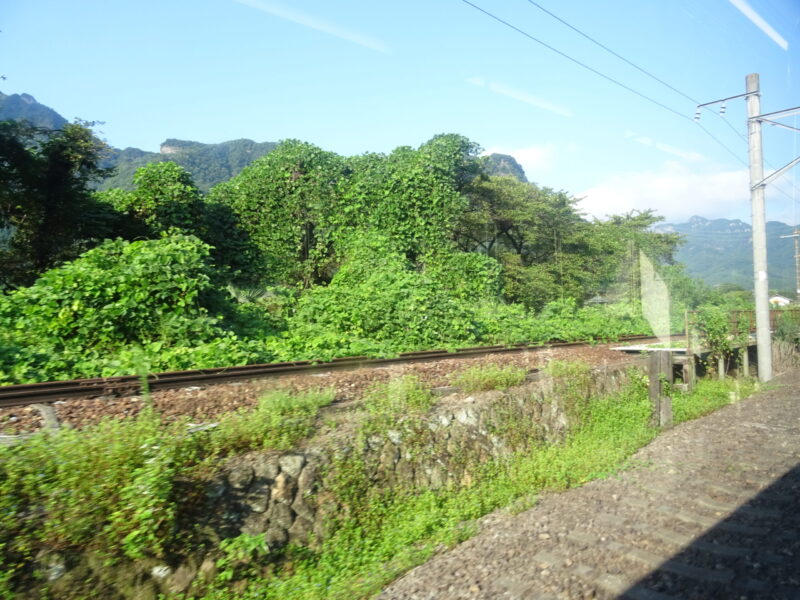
757,20
312,22
666,148
684,154
673,191
520,96
532,159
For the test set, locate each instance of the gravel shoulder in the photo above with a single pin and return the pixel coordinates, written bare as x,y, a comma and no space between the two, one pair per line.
708,510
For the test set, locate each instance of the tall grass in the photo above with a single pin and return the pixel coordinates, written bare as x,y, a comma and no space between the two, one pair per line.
488,377
113,487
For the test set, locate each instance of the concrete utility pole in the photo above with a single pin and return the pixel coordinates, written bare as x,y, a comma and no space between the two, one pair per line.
763,334
757,184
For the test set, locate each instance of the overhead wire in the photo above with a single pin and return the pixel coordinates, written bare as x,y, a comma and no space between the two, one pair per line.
733,153
575,60
671,87
637,67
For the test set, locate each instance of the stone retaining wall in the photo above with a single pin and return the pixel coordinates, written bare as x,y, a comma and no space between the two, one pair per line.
286,496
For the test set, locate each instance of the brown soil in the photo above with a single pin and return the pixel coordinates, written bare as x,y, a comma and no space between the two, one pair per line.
207,403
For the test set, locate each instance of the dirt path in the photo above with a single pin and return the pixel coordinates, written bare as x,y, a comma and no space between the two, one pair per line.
710,511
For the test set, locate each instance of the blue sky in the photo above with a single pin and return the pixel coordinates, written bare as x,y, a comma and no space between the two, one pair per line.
356,76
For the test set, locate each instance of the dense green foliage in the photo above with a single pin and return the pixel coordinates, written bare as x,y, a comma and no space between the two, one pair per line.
305,254
116,305
47,213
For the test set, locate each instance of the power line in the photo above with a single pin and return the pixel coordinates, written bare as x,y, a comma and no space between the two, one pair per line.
618,83
619,56
638,68
575,60
716,139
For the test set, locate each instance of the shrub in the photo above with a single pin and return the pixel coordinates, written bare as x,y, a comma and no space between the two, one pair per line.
95,315
377,302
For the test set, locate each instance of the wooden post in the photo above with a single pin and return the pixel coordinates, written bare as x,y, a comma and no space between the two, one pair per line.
688,371
746,359
660,372
686,332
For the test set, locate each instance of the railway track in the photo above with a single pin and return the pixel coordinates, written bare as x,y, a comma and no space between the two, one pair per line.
38,393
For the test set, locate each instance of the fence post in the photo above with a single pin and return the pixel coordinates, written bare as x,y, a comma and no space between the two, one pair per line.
689,372
746,358
660,372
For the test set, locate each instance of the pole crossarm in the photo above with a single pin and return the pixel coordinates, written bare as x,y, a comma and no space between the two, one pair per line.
726,99
784,125
775,174
788,112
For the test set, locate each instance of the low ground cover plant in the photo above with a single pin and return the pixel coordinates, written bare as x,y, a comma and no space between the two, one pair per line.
119,487
395,533
488,377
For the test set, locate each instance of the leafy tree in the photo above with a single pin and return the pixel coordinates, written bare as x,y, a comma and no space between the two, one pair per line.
547,249
164,198
278,201
46,209
413,196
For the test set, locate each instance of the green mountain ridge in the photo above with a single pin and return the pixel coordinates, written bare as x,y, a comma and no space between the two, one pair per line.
24,107
719,251
209,164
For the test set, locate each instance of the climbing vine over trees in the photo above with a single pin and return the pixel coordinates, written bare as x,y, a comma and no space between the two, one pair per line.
304,254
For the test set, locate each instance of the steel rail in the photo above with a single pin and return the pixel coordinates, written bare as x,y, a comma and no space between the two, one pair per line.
37,393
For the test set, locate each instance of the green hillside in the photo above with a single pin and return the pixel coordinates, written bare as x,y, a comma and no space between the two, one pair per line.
208,164
19,107
720,251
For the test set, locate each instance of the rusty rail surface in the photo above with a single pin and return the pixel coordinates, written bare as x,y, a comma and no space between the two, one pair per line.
35,393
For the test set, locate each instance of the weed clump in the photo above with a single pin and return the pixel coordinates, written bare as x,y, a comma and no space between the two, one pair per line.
488,377
120,487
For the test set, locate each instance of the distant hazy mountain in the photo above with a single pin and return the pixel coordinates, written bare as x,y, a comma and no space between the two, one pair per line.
721,251
24,107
